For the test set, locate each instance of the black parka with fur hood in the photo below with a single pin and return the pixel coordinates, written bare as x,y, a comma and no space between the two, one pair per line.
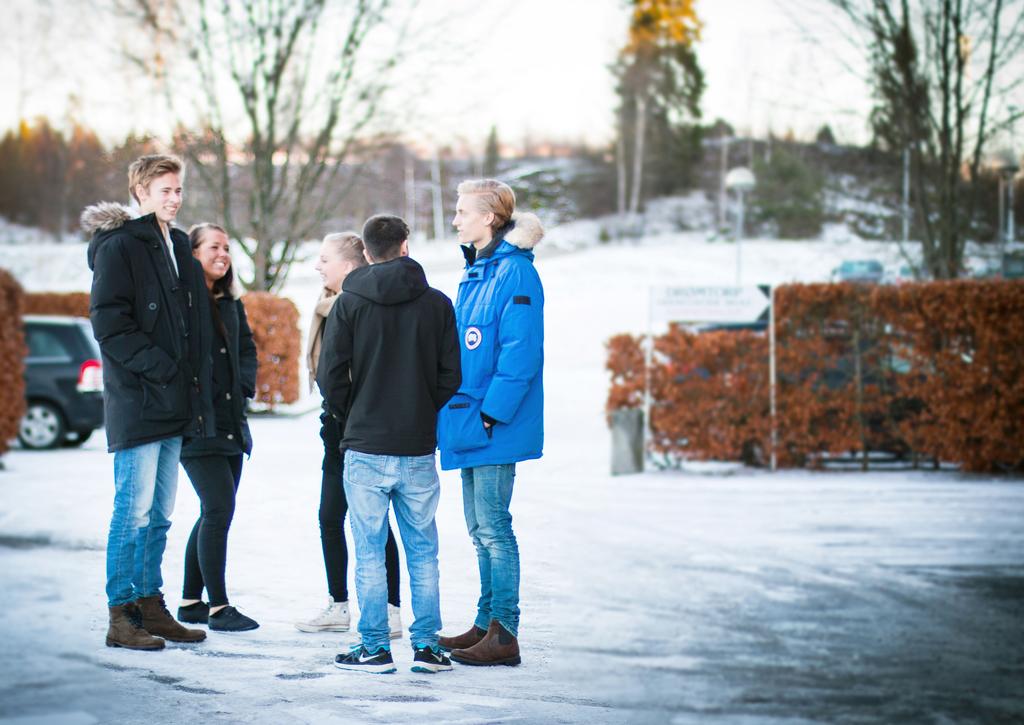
147,320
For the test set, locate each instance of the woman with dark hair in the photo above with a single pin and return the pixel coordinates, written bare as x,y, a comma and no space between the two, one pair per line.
340,254
214,465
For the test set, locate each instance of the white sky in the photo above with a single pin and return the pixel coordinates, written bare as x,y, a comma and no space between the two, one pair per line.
537,67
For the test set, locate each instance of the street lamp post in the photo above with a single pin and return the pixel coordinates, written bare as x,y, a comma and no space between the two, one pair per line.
741,180
1006,165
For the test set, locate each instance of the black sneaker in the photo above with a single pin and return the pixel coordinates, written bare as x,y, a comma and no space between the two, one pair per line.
430,660
196,613
360,659
230,619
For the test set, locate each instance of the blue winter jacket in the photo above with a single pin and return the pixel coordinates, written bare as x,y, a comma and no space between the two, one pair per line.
500,315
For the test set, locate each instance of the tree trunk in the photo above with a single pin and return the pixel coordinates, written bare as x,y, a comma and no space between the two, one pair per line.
620,168
638,153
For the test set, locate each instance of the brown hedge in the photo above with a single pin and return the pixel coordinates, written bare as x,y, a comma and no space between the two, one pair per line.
75,304
275,327
12,359
930,370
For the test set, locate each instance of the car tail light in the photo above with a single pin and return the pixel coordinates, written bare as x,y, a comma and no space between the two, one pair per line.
90,377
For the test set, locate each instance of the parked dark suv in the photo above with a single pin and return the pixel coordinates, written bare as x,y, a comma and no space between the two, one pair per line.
63,382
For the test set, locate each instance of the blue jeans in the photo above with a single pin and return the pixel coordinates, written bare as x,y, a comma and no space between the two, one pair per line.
486,495
145,482
372,484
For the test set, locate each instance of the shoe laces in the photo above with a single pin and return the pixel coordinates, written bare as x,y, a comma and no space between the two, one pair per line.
331,608
134,616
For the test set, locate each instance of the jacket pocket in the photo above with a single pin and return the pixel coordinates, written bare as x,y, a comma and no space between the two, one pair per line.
165,401
459,425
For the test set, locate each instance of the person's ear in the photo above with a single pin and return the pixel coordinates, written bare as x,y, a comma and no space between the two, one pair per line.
366,256
140,193
403,251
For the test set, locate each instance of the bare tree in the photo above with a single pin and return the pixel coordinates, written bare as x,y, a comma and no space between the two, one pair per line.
940,71
282,92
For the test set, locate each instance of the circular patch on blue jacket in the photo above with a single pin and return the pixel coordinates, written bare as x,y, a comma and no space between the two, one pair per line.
473,338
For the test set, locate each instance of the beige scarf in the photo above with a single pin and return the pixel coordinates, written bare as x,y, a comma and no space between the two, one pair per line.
316,332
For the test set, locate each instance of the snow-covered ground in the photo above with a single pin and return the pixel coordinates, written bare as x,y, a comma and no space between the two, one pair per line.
721,594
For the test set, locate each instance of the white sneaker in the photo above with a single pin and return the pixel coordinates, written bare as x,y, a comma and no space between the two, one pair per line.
394,624
395,621
334,618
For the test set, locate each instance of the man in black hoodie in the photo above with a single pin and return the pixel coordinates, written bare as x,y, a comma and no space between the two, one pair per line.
148,298
390,361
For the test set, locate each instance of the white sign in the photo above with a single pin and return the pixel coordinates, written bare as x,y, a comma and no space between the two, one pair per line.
709,304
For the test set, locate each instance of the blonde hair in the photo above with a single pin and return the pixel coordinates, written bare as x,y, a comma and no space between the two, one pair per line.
146,168
491,196
349,245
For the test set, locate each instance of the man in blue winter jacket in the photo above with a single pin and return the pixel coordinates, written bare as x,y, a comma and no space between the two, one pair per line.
497,417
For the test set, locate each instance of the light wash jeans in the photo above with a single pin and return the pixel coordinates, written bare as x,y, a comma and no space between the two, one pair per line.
486,495
372,484
145,483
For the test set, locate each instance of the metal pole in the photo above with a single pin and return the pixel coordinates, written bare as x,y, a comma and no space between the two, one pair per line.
1010,232
739,240
648,356
772,378
410,190
721,185
906,194
438,192
1002,227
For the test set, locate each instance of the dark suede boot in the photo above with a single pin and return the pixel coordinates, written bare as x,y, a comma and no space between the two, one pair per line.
157,620
126,629
498,647
462,641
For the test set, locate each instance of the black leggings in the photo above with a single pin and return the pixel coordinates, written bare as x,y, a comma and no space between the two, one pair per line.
215,479
333,507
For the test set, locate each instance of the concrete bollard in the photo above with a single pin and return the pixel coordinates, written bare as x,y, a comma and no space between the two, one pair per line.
627,441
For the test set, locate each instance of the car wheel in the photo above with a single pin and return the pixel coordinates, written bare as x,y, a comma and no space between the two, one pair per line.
41,427
78,438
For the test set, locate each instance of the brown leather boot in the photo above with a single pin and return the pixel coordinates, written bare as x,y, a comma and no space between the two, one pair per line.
462,641
126,629
157,620
498,647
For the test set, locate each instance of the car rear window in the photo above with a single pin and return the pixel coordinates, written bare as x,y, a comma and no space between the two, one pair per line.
46,342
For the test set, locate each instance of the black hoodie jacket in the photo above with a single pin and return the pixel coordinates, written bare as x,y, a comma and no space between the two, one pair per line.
147,320
390,359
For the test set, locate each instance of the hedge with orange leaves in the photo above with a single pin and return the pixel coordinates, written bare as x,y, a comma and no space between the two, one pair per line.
275,329
931,370
75,304
12,359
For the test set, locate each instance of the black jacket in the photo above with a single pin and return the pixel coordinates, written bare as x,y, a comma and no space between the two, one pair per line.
390,359
147,320
236,359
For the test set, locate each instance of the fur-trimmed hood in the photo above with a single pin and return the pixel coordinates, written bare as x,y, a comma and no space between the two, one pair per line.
528,230
99,220
104,217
